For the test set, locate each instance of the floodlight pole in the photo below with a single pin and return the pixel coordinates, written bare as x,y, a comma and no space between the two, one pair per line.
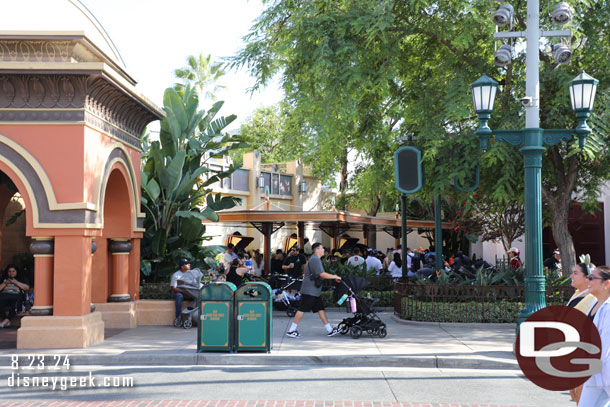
532,140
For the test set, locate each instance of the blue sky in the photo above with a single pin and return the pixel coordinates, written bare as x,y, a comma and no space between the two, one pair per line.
154,37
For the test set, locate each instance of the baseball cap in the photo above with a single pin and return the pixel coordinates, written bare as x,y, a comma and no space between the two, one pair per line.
183,262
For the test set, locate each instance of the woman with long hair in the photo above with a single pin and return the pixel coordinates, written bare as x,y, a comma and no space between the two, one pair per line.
596,390
396,266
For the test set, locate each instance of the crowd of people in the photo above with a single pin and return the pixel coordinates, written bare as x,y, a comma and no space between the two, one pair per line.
234,266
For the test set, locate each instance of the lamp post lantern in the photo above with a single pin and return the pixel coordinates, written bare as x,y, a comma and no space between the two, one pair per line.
532,140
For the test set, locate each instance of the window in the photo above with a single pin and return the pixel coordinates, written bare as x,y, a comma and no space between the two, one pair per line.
267,177
275,184
241,180
285,185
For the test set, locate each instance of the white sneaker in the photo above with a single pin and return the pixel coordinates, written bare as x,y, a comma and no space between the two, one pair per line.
334,332
294,334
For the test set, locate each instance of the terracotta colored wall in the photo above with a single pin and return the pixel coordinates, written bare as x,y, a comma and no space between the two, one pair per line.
50,145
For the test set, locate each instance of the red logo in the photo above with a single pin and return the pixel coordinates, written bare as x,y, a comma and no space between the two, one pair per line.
558,348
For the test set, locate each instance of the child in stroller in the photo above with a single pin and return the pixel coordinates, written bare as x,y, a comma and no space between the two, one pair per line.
364,318
286,293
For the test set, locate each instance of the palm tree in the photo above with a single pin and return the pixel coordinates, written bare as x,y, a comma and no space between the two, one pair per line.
202,74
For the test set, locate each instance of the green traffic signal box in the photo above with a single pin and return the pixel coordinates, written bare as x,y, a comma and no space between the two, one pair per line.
217,328
253,330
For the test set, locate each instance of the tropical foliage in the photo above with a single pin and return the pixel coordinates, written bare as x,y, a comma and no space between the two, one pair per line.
364,76
177,184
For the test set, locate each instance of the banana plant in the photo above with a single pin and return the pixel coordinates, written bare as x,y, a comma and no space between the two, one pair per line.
177,183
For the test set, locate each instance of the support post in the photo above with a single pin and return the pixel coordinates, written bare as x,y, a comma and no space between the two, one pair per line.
438,234
43,250
534,279
267,247
120,248
300,233
403,215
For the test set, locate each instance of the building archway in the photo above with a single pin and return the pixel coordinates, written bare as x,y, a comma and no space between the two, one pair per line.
118,218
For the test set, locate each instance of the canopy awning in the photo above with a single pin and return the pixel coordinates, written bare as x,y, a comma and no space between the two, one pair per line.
333,223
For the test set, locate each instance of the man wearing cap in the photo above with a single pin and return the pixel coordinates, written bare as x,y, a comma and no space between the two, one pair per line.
187,277
514,260
554,262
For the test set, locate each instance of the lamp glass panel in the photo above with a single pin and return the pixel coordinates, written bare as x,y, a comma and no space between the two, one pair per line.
593,92
485,96
476,98
578,95
572,99
586,95
492,98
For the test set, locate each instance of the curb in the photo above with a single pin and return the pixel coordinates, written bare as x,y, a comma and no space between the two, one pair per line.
399,320
263,359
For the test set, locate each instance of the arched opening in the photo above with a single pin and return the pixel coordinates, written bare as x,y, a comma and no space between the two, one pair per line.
117,218
14,248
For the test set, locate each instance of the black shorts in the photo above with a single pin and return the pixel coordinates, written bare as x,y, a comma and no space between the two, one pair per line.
309,303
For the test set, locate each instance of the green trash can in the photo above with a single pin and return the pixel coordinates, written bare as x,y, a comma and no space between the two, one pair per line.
217,329
253,330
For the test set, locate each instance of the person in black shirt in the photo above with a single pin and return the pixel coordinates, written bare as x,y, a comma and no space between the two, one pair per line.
553,262
294,264
11,288
276,262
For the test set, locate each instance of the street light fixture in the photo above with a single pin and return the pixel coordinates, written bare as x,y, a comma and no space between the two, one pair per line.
503,55
483,96
532,139
562,54
562,14
504,15
582,97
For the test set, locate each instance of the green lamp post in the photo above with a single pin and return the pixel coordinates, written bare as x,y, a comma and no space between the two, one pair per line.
533,140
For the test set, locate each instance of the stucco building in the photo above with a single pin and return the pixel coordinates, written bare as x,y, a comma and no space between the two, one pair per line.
70,127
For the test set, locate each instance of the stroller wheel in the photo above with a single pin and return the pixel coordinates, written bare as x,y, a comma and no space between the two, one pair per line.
178,322
382,332
291,312
343,328
356,332
187,324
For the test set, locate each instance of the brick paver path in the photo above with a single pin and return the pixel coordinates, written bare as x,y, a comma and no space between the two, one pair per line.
234,403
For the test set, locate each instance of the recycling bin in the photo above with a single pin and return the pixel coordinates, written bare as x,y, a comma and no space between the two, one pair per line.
217,328
253,330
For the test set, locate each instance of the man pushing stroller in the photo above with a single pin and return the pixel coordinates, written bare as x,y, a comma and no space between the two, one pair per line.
311,288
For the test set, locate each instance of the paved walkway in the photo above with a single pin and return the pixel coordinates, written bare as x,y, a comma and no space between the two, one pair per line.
235,403
408,344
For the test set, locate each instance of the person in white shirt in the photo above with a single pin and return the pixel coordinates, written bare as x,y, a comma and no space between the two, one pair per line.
229,256
596,390
188,277
307,247
372,262
396,267
356,259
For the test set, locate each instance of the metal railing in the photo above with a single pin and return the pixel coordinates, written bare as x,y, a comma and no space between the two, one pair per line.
436,303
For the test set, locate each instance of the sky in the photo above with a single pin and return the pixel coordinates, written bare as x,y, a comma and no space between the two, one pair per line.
154,37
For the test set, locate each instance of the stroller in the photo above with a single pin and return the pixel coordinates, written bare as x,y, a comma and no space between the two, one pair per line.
192,309
282,299
365,318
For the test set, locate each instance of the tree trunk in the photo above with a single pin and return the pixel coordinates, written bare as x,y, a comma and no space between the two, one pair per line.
566,173
343,180
562,236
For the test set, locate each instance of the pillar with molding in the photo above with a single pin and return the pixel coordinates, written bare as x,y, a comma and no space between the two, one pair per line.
43,249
